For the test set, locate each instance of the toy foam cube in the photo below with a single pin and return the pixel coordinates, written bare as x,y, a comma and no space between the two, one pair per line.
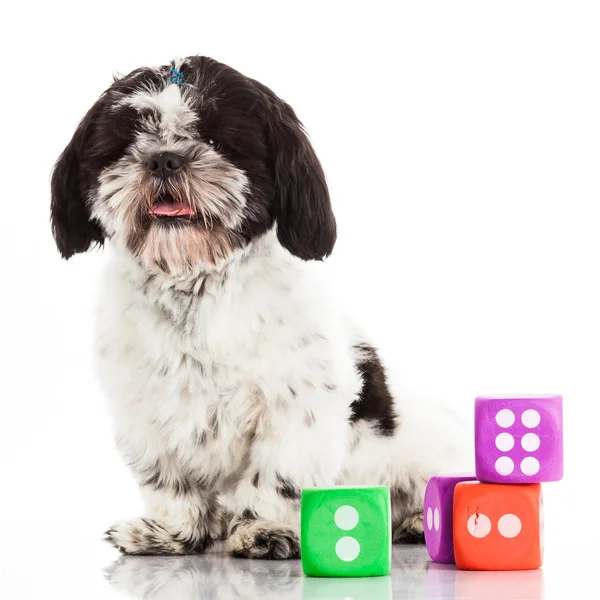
439,500
346,531
518,439
498,527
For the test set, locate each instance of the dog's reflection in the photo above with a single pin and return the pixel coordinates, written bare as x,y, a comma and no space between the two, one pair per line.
219,577
204,577
216,575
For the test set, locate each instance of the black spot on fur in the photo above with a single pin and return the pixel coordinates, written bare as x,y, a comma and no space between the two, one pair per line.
309,418
255,479
185,292
287,489
198,365
159,479
213,423
161,262
262,541
185,312
375,402
247,516
292,391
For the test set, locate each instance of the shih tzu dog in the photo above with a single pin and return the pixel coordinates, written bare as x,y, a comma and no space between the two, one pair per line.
233,380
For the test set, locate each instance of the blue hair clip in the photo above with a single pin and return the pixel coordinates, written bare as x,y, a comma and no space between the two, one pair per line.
176,77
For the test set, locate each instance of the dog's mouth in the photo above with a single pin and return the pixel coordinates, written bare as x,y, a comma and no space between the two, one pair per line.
166,207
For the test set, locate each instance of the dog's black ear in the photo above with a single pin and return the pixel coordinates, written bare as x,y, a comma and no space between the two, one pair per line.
72,226
305,220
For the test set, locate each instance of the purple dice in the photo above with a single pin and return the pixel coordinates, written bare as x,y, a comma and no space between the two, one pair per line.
438,508
518,439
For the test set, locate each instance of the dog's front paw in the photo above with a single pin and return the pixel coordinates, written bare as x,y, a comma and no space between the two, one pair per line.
139,536
155,536
263,539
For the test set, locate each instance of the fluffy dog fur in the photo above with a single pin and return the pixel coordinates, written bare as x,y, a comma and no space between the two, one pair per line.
232,379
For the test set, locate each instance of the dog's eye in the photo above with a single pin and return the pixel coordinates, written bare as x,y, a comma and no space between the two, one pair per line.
216,145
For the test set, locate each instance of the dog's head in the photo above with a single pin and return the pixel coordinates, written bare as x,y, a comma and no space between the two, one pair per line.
184,164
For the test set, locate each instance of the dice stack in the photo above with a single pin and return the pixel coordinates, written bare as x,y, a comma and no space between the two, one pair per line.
494,520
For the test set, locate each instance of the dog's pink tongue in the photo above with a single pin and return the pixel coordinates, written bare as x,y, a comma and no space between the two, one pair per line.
170,209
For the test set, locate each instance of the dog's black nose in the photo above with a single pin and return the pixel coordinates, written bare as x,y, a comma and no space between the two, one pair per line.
164,164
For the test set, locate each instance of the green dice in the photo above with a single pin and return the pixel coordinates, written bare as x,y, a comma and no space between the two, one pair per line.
346,531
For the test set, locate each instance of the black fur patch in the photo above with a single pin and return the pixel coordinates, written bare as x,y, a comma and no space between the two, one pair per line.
72,225
249,515
157,479
213,423
287,489
375,402
245,518
256,479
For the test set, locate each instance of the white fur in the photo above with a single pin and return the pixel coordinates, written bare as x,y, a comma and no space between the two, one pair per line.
175,115
233,379
260,364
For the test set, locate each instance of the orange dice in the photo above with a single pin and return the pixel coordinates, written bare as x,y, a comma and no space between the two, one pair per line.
498,527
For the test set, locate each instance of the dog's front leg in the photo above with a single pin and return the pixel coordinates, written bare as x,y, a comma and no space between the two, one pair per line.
177,521
303,446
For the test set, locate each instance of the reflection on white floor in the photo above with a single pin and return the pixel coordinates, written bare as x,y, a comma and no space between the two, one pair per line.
445,581
360,588
218,576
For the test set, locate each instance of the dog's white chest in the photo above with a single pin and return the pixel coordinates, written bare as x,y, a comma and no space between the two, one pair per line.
196,376
167,370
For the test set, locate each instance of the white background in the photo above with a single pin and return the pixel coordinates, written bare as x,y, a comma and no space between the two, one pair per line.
462,145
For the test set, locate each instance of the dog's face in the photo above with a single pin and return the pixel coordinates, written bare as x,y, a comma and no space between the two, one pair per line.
184,164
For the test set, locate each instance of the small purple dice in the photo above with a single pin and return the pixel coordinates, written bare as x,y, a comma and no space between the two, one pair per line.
439,501
518,439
